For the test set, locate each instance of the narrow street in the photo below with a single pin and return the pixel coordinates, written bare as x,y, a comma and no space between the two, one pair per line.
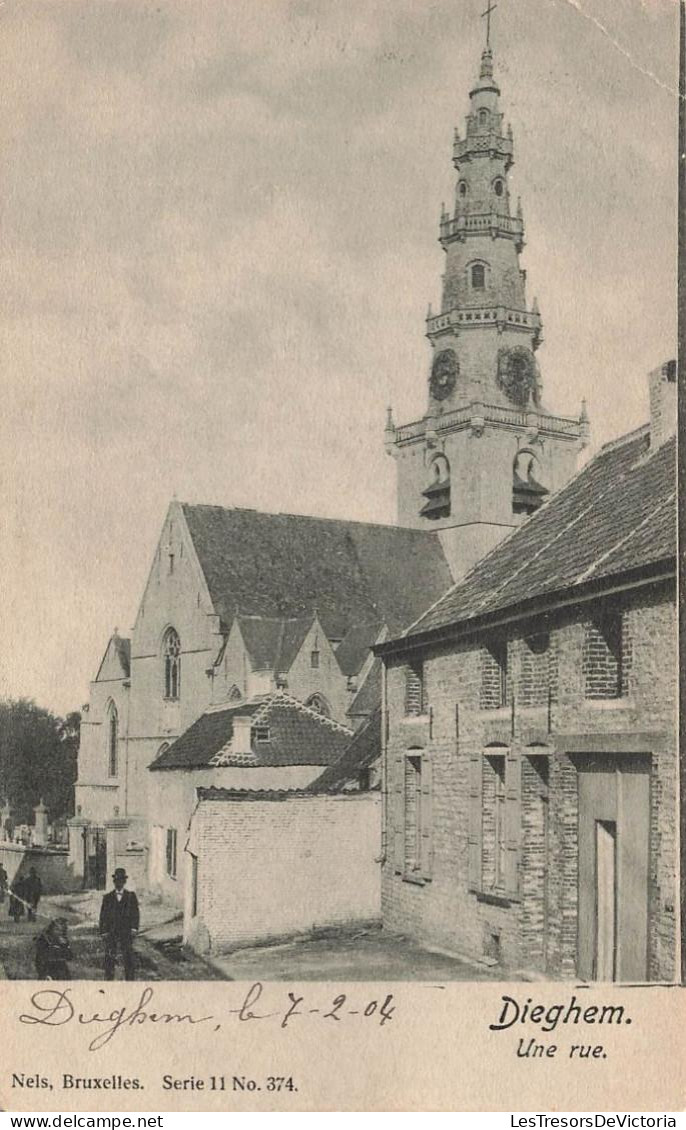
159,954
333,955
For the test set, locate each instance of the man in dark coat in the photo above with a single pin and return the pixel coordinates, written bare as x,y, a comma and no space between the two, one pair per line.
3,883
33,889
119,921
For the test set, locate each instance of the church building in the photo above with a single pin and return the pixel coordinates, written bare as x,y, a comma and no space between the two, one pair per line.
248,617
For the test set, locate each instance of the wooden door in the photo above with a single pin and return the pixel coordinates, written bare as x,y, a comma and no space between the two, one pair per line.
614,823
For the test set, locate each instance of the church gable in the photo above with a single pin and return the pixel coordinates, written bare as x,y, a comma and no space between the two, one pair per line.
314,675
176,594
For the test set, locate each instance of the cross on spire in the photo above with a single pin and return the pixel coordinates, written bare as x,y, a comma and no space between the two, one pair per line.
487,14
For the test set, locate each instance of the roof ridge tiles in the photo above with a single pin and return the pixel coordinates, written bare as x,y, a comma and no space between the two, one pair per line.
620,441
308,517
282,696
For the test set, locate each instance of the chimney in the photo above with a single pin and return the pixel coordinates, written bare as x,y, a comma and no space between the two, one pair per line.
242,729
662,386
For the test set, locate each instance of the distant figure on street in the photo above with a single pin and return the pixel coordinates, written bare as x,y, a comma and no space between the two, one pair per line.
3,883
33,889
16,904
53,952
119,921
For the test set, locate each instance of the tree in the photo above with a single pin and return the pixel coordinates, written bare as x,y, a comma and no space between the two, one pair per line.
38,752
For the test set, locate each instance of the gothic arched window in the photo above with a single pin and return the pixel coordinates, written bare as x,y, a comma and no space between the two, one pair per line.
318,703
172,664
462,188
478,276
483,117
235,694
498,186
113,741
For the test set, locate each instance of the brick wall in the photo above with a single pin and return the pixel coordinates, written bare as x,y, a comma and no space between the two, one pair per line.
607,655
325,871
493,676
538,926
172,798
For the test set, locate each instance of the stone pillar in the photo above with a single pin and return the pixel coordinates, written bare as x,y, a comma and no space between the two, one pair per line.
40,825
77,826
117,835
6,823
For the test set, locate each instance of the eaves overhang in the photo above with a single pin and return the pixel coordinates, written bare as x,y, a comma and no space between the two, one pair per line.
539,605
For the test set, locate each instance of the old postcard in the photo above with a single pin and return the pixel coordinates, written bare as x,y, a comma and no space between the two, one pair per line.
338,715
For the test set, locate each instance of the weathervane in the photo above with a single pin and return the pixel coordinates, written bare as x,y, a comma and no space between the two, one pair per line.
487,14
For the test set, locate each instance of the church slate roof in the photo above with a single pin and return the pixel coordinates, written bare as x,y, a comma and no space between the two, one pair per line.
369,694
297,736
123,647
353,649
122,650
616,516
363,751
288,565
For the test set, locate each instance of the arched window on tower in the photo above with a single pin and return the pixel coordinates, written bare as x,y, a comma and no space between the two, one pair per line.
478,276
112,741
499,186
437,494
528,492
172,664
483,117
318,703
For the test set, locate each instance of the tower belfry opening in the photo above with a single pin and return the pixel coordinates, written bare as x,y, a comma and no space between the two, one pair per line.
485,417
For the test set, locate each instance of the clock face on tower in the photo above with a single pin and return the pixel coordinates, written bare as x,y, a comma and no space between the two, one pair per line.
518,374
444,372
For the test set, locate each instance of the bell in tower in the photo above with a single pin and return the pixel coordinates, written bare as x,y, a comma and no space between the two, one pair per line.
487,452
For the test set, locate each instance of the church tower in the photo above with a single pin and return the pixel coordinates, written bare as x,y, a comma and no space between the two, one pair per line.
487,452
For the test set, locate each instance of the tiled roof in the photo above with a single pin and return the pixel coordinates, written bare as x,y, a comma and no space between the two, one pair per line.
354,648
297,736
616,516
363,751
286,565
369,695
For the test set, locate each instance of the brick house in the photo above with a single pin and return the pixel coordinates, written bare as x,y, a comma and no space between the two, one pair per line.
531,766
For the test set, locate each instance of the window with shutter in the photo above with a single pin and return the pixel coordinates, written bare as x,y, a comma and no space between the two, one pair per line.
413,815
113,741
398,814
500,825
426,822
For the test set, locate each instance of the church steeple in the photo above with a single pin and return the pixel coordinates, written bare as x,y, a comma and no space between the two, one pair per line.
485,424
485,320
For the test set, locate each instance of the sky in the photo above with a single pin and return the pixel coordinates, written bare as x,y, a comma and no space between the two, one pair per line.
220,227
